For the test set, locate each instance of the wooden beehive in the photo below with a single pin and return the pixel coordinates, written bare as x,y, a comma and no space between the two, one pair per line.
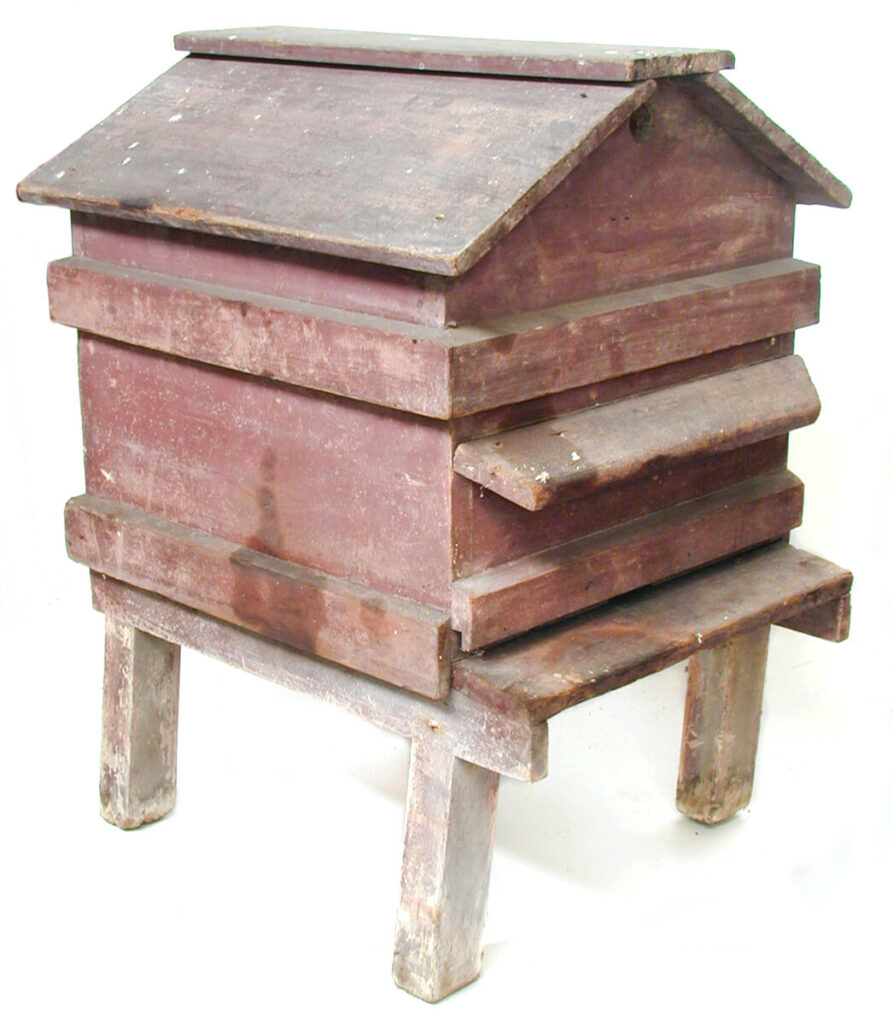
395,349
370,354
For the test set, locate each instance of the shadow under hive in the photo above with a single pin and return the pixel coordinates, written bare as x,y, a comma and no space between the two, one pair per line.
448,380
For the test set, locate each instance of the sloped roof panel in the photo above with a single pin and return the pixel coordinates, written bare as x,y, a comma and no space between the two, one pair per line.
422,171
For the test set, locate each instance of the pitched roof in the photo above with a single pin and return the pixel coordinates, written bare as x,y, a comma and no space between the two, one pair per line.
425,171
418,171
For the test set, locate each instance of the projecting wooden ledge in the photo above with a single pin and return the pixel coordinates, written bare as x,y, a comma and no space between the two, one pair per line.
568,456
556,667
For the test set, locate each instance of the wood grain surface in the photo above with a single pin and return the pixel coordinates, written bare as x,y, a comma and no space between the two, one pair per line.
685,201
489,531
140,708
394,639
419,171
313,277
580,61
512,598
723,701
559,666
357,491
437,372
499,741
571,455
447,851
749,126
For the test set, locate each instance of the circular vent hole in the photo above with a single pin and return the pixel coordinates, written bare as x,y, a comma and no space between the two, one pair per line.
641,124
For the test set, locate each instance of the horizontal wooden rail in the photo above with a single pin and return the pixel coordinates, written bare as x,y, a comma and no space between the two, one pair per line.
550,670
571,455
392,638
510,745
434,371
531,591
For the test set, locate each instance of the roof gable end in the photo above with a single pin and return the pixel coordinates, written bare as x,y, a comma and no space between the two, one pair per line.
767,142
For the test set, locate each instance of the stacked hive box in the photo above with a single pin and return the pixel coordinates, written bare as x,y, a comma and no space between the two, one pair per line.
392,350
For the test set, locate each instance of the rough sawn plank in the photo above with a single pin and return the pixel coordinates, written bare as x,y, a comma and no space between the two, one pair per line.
579,61
559,666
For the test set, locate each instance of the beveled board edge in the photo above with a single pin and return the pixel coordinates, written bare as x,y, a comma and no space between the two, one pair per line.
588,62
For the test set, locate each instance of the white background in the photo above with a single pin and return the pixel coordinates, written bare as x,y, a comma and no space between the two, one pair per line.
270,893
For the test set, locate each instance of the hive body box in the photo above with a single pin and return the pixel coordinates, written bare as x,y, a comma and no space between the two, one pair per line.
394,349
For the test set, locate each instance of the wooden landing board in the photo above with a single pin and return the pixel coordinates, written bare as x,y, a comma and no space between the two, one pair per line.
572,455
392,638
425,172
765,140
513,598
437,372
560,666
579,61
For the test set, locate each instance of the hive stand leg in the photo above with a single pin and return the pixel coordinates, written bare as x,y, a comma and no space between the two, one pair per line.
722,722
450,820
138,778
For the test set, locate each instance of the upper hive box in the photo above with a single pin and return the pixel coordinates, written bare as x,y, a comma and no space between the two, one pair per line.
386,339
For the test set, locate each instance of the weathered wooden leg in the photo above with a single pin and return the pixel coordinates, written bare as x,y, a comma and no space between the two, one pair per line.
722,723
450,819
139,726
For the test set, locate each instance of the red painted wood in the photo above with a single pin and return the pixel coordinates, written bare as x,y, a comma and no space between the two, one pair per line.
437,372
559,666
612,389
686,201
752,129
353,490
323,348
385,166
579,453
250,266
385,636
633,331
489,531
513,598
